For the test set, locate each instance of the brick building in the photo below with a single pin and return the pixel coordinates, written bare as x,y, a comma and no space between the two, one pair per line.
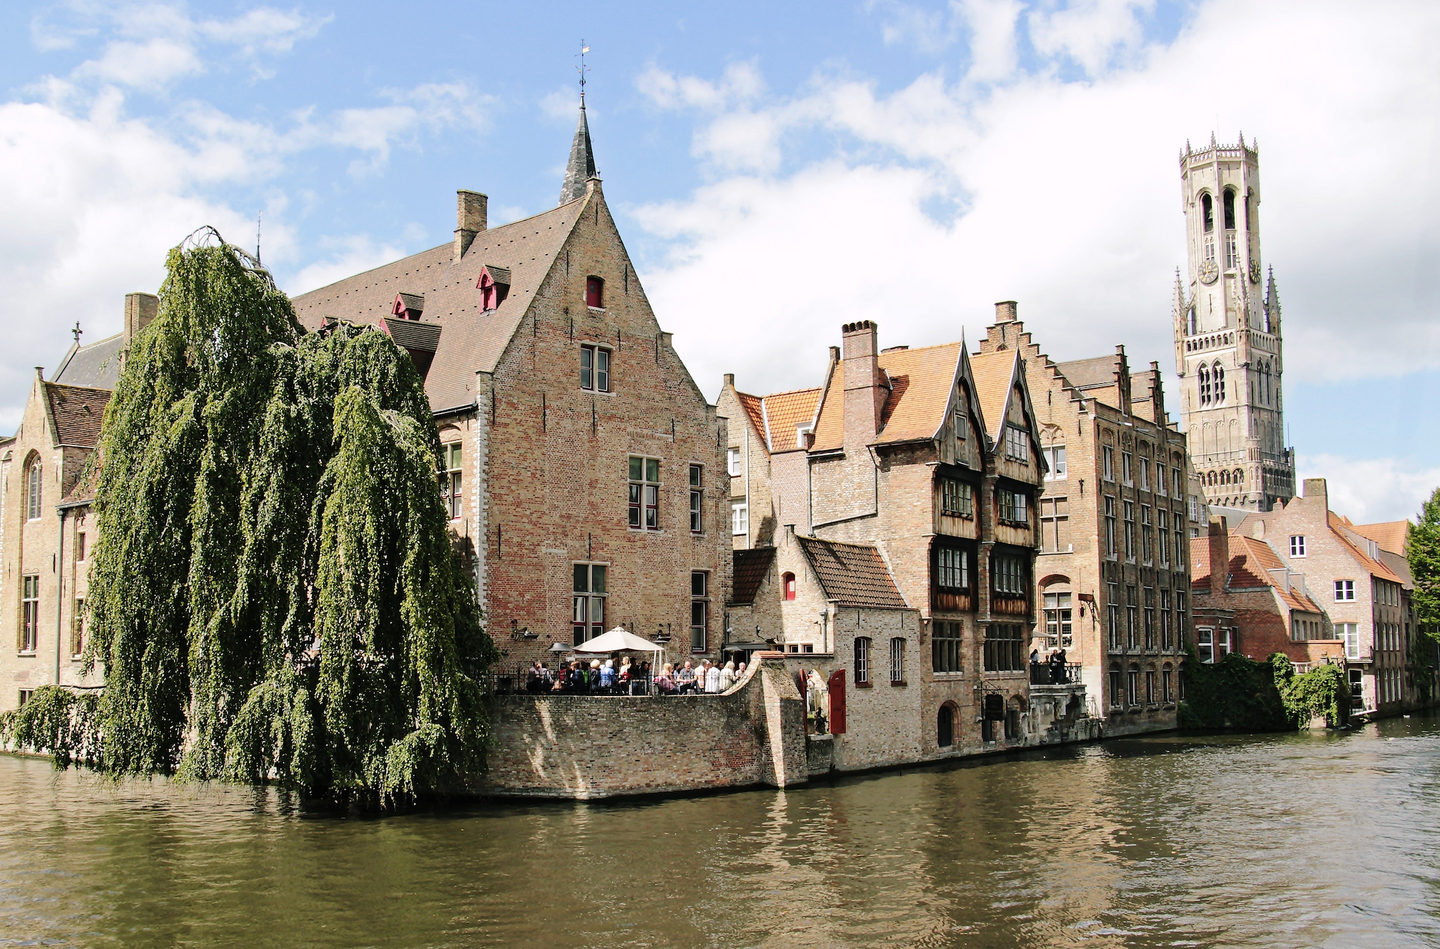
1248,600
1363,590
760,426
904,554
584,469
46,522
1112,577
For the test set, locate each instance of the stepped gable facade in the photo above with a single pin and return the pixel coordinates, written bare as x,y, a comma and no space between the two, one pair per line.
905,547
582,467
47,527
1112,577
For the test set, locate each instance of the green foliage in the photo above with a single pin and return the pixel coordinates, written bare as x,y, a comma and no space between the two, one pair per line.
1422,550
273,591
1240,694
55,720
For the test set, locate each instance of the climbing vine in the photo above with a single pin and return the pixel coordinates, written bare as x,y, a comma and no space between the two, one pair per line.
273,591
1240,694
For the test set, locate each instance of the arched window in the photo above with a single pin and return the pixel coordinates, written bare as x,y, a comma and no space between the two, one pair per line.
787,586
1229,210
1224,477
32,492
1219,376
1238,477
1207,212
945,725
1192,320
1204,375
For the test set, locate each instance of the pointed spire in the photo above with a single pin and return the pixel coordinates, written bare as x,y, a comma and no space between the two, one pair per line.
1272,300
582,162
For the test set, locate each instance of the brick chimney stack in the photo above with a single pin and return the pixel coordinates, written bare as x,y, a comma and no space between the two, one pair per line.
470,219
864,384
1219,555
1007,311
140,309
1316,488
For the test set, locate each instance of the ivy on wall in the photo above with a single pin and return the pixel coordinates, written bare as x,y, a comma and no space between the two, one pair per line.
274,593
1241,694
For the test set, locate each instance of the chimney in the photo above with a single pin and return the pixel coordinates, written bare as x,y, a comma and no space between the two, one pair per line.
729,380
1219,555
470,219
864,387
1315,488
140,309
1006,311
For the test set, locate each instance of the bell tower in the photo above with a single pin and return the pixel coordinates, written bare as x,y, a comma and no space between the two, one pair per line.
1228,349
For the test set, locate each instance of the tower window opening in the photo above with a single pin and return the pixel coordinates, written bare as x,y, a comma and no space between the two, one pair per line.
1219,377
1249,198
1204,375
1232,253
1194,327
1229,210
1224,477
1207,212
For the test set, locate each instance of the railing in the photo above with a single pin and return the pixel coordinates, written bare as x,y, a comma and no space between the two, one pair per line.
1045,673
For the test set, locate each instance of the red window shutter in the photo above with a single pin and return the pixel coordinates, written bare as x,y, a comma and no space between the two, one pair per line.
836,687
594,292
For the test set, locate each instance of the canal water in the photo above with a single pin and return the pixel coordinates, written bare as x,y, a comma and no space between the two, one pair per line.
1285,841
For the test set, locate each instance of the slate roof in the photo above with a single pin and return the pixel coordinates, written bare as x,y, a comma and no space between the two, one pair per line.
1390,535
77,411
750,567
1094,373
96,366
852,575
472,339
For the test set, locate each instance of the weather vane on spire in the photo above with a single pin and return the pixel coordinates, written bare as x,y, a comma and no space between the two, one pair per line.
582,69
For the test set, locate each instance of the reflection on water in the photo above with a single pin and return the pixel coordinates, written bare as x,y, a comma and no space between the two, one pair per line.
1305,840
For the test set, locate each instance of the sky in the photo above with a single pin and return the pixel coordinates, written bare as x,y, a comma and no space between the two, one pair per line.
776,170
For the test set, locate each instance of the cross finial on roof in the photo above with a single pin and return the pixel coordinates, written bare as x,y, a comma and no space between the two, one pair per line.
76,332
582,69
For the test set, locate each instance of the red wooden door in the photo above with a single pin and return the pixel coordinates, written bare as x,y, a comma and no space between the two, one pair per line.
836,687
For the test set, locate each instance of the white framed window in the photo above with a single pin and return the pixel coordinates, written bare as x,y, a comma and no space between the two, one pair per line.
32,493
1127,467
1110,527
451,479
595,368
897,661
1178,476
732,461
1349,633
644,498
697,498
29,613
699,610
1017,445
1160,479
862,660
1297,545
1344,591
952,569
590,591
1205,643
1107,462
1009,575
1144,474
739,518
1013,507
1058,628
1055,458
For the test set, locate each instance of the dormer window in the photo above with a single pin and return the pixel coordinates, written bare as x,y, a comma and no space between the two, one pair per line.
493,286
408,306
594,292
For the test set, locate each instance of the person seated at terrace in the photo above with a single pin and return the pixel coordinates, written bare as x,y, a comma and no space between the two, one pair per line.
727,676
685,679
740,671
607,675
625,670
712,677
665,681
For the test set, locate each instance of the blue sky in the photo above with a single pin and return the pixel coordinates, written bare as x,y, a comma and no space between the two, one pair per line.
909,163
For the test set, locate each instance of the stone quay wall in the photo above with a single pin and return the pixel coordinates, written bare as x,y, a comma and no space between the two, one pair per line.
584,747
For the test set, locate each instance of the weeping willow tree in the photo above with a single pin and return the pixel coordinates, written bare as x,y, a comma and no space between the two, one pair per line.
274,593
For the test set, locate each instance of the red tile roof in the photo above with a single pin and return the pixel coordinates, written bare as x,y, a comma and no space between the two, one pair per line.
852,574
1375,567
784,411
1251,561
994,377
920,384
1390,535
77,412
751,405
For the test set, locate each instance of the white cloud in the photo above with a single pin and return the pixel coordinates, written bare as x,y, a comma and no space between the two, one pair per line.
150,65
1371,490
1090,32
992,43
940,198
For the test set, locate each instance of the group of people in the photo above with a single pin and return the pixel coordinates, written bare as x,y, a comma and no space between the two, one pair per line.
1055,661
706,677
606,678
600,678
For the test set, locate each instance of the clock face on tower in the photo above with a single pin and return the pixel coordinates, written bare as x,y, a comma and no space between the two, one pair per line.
1208,271
1254,270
